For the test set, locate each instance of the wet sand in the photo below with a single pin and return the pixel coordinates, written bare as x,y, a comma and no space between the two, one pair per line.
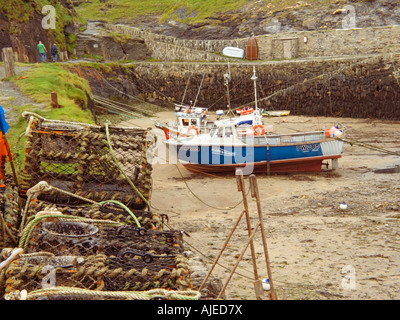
317,250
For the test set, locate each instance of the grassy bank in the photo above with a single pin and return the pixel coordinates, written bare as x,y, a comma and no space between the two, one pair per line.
72,90
38,83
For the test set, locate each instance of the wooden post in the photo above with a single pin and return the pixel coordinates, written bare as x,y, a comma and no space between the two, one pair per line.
8,59
54,100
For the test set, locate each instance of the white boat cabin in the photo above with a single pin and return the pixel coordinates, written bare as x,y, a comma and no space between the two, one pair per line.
190,120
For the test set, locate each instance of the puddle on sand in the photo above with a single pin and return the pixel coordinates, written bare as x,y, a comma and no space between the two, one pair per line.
395,169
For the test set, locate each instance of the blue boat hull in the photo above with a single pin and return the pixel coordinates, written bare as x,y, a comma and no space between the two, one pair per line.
259,158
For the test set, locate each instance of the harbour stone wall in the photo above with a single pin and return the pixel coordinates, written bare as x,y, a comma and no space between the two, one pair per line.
286,45
359,87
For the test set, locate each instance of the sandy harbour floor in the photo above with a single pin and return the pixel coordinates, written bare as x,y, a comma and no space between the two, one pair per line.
317,251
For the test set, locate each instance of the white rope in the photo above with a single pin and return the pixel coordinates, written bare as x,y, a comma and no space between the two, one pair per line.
14,255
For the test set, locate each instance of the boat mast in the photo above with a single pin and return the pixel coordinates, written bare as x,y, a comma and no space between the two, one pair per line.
184,95
199,91
227,77
254,78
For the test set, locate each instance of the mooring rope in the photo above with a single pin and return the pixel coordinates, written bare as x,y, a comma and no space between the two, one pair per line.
128,95
44,186
130,295
118,110
327,76
368,146
121,169
120,105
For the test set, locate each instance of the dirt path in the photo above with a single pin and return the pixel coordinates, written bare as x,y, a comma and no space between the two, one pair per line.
11,96
316,249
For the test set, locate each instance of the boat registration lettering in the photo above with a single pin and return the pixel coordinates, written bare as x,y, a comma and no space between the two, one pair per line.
308,147
194,149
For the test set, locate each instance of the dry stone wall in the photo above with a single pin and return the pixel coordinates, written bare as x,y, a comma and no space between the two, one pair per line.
361,87
303,44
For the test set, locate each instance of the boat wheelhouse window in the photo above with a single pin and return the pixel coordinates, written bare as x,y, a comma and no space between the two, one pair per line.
212,131
194,122
185,122
228,132
223,132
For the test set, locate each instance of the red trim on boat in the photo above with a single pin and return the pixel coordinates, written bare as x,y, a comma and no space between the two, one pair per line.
313,164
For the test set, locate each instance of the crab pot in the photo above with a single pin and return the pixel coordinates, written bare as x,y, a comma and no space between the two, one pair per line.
97,272
9,212
84,239
107,211
77,158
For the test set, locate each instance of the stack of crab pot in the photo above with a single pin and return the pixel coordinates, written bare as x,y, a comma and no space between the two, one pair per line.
83,228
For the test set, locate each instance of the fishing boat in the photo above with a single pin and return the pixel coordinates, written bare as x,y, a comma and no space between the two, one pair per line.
227,147
193,121
189,122
256,148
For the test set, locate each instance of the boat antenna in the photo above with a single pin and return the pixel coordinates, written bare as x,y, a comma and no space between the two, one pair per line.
199,90
227,78
254,78
184,94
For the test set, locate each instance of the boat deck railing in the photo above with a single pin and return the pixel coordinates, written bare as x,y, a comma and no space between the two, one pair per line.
274,139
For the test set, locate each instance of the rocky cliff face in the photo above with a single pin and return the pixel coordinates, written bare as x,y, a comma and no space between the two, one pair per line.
96,41
21,27
269,17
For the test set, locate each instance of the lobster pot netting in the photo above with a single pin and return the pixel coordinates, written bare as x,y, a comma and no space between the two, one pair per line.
106,211
100,255
84,239
87,233
9,212
77,158
42,270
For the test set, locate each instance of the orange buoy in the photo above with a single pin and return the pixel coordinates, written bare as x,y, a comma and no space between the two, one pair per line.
189,131
256,132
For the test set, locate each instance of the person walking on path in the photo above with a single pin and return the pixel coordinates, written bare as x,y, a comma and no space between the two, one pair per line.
42,51
54,52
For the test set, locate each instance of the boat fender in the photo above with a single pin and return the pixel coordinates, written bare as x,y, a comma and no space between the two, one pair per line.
329,133
256,132
189,131
338,134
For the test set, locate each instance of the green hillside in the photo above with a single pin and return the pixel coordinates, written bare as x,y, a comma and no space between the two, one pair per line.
189,11
222,19
127,10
